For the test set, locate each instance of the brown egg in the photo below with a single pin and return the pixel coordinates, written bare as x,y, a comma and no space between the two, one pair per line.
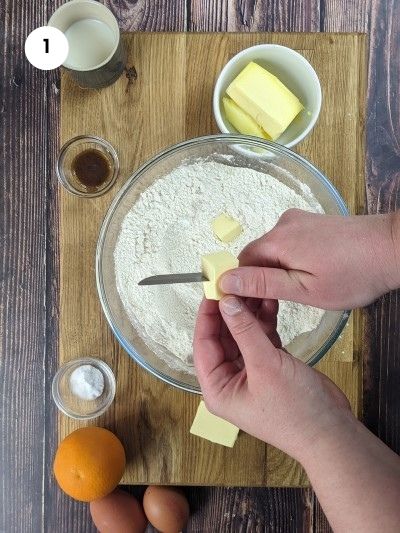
166,508
118,512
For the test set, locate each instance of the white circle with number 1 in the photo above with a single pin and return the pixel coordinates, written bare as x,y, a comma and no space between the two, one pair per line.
46,48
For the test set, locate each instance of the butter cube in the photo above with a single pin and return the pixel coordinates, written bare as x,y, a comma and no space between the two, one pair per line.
241,120
213,266
213,428
265,98
226,228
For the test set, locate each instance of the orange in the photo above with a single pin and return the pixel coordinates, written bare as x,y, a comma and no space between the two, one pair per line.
89,463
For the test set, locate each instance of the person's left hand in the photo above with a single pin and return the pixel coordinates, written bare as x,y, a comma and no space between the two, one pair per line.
266,313
247,379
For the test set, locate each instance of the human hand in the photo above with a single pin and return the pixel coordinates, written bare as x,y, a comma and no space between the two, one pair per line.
246,378
331,262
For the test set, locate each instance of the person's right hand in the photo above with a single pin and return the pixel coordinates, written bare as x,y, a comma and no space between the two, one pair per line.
327,261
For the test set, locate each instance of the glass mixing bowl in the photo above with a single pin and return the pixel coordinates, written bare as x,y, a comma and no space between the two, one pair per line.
237,150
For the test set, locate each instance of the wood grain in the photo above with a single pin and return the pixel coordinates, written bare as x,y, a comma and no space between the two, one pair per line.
157,15
345,15
382,403
251,15
247,510
172,64
27,298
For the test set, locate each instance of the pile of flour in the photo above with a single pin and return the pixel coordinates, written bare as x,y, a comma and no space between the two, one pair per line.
168,230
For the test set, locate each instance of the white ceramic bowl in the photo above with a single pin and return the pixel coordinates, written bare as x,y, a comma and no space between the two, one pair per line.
292,69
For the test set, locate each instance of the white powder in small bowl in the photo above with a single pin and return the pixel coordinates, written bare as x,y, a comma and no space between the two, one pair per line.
87,382
168,229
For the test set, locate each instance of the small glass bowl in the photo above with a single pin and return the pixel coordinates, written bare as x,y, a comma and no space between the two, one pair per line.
73,406
67,154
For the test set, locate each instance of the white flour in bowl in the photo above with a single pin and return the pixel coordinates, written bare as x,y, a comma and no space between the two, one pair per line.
167,231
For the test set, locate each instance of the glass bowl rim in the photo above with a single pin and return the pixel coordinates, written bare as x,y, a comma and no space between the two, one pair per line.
136,175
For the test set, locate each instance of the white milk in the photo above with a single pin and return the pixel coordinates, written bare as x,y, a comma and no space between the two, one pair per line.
90,43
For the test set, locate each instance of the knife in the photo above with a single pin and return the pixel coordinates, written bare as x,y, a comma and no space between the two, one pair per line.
167,279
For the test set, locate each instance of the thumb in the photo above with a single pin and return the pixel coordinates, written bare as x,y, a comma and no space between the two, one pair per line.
265,282
244,327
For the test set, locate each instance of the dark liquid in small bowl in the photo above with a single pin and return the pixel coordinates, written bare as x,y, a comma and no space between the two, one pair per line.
91,168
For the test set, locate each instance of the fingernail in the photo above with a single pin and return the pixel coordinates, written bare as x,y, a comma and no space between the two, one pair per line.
231,305
231,283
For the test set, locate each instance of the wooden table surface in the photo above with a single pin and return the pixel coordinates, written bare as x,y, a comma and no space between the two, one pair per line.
29,115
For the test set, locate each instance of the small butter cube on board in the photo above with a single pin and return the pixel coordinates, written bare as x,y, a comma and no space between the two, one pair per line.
213,428
241,120
213,266
226,228
265,98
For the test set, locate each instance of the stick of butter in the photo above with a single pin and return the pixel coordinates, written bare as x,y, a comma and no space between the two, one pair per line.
213,428
241,120
265,98
226,228
213,266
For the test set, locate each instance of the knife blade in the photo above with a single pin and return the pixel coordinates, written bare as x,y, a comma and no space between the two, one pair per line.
167,279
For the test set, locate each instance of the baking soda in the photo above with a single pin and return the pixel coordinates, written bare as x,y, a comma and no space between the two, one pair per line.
87,382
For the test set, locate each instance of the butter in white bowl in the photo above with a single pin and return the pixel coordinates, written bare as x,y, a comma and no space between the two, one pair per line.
241,120
268,91
261,95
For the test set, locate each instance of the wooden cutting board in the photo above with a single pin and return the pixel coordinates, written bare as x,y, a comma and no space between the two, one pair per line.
171,101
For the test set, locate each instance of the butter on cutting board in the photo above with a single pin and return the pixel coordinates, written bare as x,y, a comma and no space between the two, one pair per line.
213,428
265,98
213,266
226,228
241,120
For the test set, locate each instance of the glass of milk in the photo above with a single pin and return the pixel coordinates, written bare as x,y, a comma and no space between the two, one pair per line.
96,57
